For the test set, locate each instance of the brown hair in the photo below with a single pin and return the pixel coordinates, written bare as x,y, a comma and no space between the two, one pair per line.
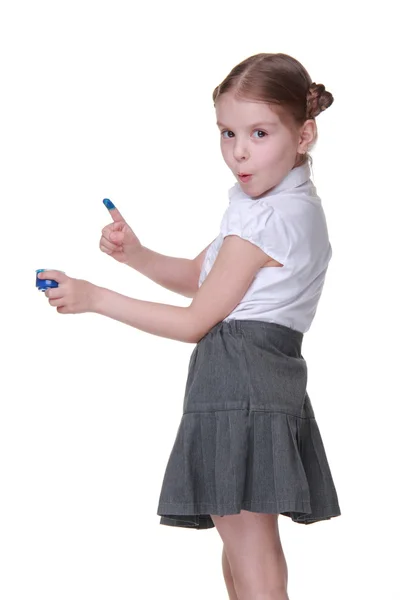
282,81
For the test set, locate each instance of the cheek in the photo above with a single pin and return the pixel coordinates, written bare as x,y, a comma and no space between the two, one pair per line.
267,154
277,149
289,143
225,153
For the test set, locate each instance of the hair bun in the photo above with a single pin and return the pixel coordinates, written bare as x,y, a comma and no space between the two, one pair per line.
318,99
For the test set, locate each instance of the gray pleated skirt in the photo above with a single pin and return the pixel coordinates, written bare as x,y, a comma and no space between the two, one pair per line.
248,438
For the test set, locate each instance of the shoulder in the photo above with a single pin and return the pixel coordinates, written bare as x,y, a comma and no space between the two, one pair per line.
300,208
280,223
258,222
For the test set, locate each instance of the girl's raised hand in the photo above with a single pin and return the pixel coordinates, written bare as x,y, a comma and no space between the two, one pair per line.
117,239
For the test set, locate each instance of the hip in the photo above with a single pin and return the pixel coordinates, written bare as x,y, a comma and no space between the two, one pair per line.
247,364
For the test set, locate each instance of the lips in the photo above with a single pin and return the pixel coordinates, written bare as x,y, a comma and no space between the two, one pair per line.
244,177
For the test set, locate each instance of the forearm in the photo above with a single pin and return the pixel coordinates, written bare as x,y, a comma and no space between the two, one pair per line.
174,322
179,275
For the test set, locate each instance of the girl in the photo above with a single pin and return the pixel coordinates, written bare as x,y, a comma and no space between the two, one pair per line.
248,447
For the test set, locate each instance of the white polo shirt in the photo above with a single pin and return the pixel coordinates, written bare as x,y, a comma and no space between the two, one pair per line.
288,223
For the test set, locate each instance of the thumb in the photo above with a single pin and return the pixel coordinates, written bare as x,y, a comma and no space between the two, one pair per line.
114,212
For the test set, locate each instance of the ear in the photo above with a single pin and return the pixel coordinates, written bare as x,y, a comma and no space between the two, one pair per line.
307,136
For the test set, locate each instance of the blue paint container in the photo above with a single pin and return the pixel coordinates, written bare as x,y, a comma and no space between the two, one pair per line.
43,284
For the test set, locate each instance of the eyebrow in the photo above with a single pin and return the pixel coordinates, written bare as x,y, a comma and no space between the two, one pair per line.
260,123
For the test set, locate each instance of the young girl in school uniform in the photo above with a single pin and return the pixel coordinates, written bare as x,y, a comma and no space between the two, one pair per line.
248,447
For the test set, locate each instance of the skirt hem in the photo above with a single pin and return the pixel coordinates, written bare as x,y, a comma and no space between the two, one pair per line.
198,516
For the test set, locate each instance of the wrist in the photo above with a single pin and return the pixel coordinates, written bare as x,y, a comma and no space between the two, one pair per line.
97,299
135,257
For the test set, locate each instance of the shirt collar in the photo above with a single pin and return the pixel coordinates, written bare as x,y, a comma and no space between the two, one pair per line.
293,179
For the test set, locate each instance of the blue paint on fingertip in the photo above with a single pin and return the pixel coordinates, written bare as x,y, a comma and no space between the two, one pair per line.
108,204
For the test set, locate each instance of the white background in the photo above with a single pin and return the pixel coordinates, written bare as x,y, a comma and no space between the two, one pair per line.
113,99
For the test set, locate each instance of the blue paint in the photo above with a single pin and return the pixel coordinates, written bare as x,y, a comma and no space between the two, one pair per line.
108,204
43,284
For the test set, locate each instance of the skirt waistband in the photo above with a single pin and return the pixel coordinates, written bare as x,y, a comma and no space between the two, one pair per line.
244,326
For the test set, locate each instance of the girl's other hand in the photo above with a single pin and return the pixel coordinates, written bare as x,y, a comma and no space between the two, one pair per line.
72,296
118,239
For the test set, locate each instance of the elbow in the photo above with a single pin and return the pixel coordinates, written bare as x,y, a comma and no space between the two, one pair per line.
197,328
199,323
194,335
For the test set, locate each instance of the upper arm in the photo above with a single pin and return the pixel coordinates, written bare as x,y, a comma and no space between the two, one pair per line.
233,271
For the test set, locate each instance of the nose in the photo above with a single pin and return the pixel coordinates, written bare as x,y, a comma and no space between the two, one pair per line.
240,150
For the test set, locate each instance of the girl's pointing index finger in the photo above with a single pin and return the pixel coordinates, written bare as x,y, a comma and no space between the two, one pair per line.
114,212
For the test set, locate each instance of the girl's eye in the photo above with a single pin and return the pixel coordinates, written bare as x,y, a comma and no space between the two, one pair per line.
257,131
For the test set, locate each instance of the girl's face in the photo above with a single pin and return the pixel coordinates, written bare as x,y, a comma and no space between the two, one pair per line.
255,142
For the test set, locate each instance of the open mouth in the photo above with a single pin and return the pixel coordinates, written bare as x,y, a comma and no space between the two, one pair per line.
244,177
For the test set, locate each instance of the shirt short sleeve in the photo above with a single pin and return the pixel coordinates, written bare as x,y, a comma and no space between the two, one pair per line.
260,224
